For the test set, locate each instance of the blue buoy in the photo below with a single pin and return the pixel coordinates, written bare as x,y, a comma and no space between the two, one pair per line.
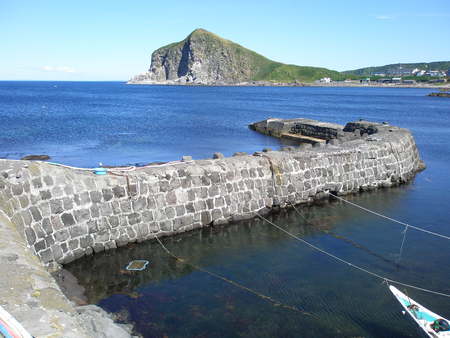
100,171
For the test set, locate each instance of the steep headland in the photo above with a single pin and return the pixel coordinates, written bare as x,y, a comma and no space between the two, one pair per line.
205,58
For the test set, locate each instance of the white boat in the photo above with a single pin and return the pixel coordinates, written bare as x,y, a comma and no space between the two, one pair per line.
431,323
11,328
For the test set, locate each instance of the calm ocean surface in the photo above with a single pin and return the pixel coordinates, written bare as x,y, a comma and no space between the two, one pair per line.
85,123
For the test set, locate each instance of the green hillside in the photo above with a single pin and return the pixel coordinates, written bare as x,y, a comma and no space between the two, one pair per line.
367,71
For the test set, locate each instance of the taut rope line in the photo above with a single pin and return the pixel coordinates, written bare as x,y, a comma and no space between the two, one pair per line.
384,279
236,284
403,243
389,218
356,245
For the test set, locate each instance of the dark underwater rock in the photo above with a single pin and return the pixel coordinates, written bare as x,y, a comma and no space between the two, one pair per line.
36,158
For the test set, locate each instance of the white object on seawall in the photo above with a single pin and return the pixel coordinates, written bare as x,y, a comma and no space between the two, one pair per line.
10,327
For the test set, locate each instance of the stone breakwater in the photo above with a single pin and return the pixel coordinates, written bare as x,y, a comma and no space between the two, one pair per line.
54,214
64,213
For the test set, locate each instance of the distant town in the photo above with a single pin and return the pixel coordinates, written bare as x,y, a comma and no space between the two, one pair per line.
399,75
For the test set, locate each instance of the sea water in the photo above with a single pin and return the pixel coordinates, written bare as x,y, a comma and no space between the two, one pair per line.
85,123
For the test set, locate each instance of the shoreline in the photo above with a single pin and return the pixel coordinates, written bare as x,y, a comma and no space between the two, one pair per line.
306,84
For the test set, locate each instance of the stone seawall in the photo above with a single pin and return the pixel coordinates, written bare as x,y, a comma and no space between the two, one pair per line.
64,213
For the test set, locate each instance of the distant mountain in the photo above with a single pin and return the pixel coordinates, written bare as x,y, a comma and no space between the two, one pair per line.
400,67
205,58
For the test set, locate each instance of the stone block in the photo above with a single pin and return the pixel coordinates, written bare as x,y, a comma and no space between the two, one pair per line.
57,252
107,194
191,195
210,203
132,190
78,230
57,192
67,219
77,253
46,256
74,244
170,212
98,247
96,196
30,236
180,210
186,182
206,181
131,233
95,211
86,241
200,205
48,180
101,236
190,207
216,214
56,206
147,216
219,202
110,245
115,206
35,212
171,198
119,192
67,203
37,183
213,191
62,235
17,189
139,204
114,221
206,217
92,226
82,215
153,227
166,225
143,230
106,209
174,183
40,245
164,185
125,206
84,198
134,218
47,226
49,240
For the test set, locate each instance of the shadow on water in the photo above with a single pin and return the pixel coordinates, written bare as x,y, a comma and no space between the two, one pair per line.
174,299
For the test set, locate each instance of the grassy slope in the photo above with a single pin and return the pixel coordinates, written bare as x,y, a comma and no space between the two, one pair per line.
439,65
262,68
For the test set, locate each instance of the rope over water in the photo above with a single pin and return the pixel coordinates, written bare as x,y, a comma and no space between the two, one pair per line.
236,284
383,278
389,218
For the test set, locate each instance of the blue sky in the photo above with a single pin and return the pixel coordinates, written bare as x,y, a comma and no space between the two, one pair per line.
113,40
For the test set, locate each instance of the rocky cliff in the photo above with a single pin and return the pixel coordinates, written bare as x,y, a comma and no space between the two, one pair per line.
205,58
